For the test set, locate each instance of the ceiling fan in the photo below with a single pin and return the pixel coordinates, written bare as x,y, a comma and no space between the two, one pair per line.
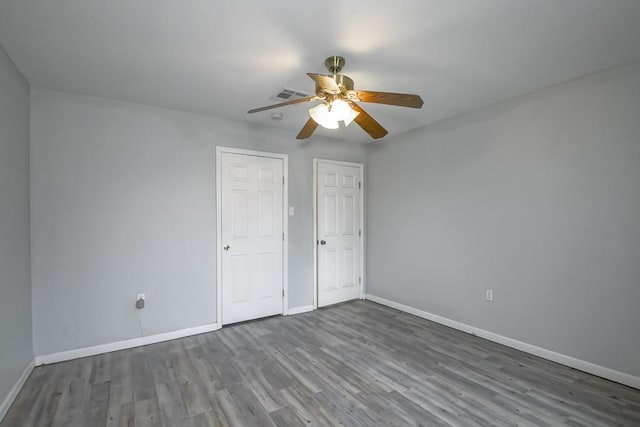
340,102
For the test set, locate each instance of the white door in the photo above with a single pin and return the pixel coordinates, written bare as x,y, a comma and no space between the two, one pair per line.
339,234
251,236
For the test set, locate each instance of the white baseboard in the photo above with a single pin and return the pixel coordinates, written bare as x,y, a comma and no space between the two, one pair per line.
6,403
301,309
592,368
122,345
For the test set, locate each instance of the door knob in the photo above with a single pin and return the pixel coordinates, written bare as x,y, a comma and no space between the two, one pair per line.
322,242
226,247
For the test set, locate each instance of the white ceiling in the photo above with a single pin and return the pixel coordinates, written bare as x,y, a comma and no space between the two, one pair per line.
223,57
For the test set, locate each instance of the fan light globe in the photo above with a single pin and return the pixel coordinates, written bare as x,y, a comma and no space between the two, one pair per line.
329,115
322,116
343,112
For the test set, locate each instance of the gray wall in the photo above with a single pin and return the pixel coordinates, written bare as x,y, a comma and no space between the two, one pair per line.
123,202
16,348
538,199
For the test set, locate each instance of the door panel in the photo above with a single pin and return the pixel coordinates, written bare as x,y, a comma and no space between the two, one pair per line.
349,220
240,213
266,274
331,271
338,225
265,213
348,267
331,215
239,278
251,230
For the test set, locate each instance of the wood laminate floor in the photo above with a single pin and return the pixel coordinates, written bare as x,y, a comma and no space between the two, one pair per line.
356,364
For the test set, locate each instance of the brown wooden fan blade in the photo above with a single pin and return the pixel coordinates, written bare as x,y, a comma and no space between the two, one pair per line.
307,129
399,99
325,82
282,104
368,123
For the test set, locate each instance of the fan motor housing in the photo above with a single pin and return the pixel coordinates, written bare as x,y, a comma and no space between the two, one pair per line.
345,83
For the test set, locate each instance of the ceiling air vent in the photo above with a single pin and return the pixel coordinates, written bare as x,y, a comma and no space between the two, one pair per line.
286,94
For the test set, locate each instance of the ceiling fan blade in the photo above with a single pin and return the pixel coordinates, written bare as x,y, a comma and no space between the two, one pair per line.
307,129
389,98
368,123
282,104
328,84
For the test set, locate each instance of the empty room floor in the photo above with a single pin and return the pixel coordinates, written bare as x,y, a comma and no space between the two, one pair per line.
354,364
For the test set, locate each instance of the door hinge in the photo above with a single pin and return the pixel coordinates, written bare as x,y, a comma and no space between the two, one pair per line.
360,233
283,293
359,184
283,237
360,280
283,180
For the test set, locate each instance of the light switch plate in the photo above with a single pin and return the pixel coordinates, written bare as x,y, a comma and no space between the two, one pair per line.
489,295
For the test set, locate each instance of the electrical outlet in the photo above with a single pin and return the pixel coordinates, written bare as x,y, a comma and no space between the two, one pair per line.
489,295
140,301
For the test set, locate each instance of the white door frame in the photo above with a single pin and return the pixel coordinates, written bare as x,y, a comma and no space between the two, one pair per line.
315,226
285,224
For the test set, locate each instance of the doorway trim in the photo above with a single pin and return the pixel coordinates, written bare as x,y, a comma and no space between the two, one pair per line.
360,166
285,223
